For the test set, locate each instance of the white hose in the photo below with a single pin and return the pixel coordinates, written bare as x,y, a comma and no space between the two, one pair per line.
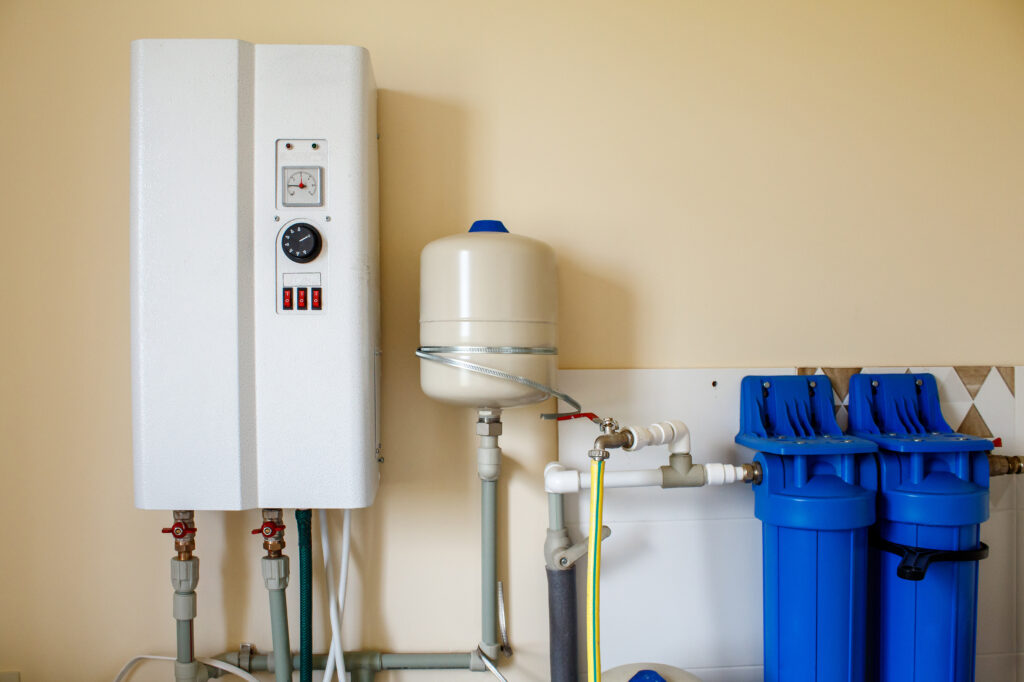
212,662
336,656
489,664
346,546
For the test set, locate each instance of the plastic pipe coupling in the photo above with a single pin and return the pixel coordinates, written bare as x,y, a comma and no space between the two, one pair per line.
488,453
184,578
673,432
275,572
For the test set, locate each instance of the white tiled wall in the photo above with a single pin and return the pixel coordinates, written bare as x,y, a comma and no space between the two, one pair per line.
681,573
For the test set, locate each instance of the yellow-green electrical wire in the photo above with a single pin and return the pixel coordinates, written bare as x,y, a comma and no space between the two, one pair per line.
594,571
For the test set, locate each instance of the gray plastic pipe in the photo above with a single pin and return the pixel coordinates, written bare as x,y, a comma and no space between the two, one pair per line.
184,578
556,512
279,630
184,641
489,568
372,662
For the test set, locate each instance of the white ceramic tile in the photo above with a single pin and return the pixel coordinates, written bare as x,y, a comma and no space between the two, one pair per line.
843,418
682,593
706,399
997,620
1018,587
996,405
996,668
1002,493
1017,448
953,395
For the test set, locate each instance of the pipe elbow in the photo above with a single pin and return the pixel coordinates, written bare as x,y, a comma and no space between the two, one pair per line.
558,479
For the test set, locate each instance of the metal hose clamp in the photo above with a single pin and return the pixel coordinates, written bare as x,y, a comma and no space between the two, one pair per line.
435,354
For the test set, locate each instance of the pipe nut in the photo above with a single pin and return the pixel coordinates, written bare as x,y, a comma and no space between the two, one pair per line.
275,572
488,428
184,574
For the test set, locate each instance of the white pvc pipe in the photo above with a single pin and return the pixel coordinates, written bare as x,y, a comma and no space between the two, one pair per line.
558,479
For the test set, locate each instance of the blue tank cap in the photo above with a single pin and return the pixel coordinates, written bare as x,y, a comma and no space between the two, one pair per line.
488,226
647,676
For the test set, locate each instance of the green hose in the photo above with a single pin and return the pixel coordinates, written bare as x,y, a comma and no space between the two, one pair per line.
303,522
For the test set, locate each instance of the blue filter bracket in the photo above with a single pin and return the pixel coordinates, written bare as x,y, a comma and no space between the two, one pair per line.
946,484
815,484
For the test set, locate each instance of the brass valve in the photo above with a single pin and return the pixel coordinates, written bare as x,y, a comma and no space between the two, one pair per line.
183,530
272,531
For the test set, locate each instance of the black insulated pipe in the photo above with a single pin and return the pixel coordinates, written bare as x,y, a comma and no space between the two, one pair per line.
562,624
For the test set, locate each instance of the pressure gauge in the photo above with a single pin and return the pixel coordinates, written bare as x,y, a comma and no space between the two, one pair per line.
301,186
301,242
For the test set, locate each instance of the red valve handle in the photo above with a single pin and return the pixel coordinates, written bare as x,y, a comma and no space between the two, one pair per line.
179,530
268,529
581,415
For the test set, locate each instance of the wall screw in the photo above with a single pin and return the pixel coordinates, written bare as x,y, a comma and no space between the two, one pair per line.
277,219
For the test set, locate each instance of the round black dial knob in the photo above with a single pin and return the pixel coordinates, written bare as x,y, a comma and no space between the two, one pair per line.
301,242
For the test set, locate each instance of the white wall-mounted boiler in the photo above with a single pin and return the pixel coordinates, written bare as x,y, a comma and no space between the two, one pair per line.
254,275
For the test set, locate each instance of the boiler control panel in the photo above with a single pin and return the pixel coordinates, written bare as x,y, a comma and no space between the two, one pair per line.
301,206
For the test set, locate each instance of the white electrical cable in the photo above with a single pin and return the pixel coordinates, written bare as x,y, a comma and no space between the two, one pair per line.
490,665
335,657
346,546
212,662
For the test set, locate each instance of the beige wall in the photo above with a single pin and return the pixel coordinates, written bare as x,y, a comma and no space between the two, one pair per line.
739,183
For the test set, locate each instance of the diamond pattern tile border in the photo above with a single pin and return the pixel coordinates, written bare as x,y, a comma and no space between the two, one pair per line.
973,378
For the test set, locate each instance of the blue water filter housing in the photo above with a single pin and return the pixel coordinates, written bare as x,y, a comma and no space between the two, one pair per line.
816,513
933,496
